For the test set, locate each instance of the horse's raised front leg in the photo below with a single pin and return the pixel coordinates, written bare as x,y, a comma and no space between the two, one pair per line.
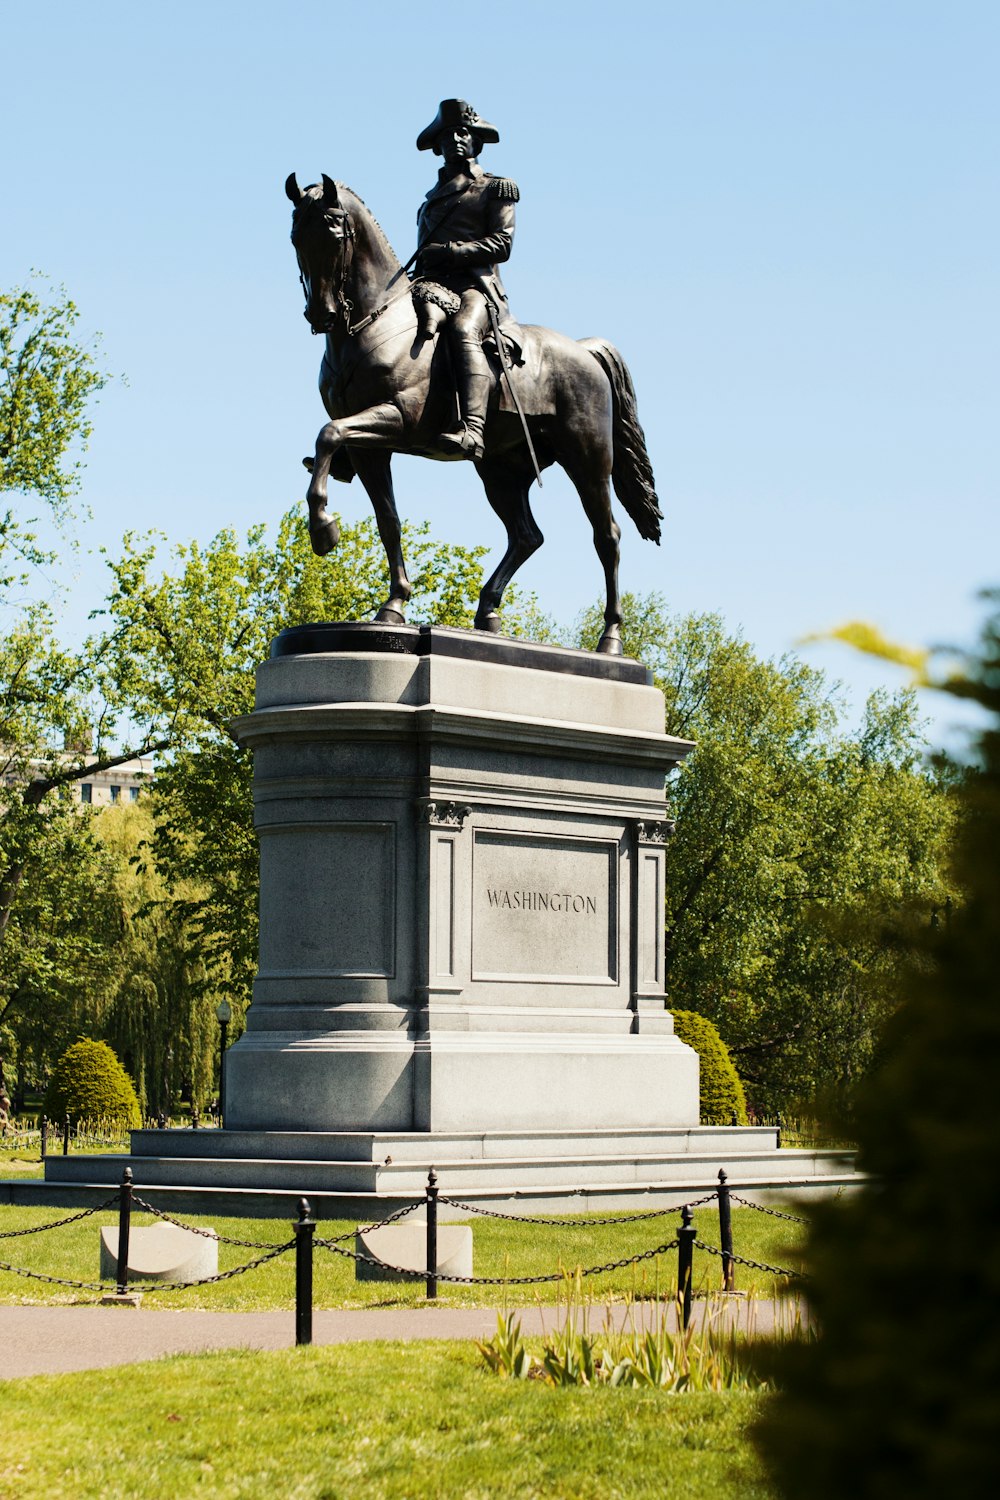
506,488
377,427
374,471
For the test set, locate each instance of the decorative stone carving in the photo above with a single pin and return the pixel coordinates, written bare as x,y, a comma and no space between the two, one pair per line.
655,833
445,814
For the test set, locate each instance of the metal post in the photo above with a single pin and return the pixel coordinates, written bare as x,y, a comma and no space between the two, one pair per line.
124,1225
65,1135
778,1143
43,1131
223,1034
686,1236
726,1235
304,1228
432,1234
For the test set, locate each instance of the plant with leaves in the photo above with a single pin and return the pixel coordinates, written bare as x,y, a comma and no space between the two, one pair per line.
195,635
900,1396
48,380
89,1083
790,830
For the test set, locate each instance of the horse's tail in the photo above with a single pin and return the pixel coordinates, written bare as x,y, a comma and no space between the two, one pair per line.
631,472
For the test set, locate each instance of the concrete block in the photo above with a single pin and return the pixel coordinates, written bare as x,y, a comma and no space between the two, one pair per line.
405,1245
161,1252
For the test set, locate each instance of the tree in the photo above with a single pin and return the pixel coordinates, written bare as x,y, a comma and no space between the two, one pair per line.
47,383
52,700
899,1394
788,829
195,636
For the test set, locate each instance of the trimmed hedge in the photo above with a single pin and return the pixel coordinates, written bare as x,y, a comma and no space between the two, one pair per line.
720,1090
89,1083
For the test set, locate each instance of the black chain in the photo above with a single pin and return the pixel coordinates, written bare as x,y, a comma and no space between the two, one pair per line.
89,1286
494,1213
774,1212
401,1213
16,1234
613,1265
756,1265
207,1234
182,1286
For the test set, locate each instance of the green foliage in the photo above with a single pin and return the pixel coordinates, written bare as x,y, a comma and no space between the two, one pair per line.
89,1083
647,1352
195,636
720,1093
47,380
791,832
901,1395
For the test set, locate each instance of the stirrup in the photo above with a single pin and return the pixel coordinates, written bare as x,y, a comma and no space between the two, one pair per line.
463,443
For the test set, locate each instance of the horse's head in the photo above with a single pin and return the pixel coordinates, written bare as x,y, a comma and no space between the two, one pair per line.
323,238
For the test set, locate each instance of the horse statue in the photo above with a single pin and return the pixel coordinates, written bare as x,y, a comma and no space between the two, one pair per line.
386,385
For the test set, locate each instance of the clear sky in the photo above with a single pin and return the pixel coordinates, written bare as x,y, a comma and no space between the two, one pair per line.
783,212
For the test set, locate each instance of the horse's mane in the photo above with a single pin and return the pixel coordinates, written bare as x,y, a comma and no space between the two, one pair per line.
343,187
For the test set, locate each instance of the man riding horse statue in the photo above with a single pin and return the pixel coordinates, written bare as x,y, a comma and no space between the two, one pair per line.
465,228
389,379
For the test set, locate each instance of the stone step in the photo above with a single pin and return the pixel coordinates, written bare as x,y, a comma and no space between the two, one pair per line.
375,1146
408,1178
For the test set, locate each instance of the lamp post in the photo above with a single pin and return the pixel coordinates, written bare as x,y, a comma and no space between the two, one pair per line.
223,1012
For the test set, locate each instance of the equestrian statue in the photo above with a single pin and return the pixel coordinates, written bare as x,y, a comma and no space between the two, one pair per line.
434,364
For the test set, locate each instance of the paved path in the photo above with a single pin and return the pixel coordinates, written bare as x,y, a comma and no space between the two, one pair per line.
51,1340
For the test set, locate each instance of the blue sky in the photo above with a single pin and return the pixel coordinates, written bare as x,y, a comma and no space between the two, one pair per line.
784,214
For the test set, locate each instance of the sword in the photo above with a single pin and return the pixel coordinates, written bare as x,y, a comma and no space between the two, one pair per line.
505,367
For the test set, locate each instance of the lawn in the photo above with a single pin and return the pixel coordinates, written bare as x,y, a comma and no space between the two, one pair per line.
369,1420
500,1249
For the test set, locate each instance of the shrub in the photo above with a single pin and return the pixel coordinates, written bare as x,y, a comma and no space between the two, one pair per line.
899,1398
89,1083
719,1087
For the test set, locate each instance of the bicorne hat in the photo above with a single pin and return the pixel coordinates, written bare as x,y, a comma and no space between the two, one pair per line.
452,113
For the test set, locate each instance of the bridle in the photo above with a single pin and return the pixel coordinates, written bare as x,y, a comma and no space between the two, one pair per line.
343,304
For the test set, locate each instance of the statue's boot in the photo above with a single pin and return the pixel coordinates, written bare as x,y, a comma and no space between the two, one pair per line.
475,382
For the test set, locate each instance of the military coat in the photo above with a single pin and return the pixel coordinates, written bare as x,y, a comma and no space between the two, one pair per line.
471,217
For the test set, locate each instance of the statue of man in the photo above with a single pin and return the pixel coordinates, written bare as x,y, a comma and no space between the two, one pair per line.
465,228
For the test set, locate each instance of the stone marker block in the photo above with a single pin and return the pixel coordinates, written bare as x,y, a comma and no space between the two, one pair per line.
405,1245
162,1252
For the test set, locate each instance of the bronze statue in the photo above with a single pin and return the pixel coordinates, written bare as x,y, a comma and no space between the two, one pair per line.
465,228
389,381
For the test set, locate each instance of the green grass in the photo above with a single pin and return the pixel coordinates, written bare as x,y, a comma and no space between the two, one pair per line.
500,1249
363,1422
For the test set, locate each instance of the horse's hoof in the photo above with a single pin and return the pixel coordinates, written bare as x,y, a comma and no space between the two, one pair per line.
389,616
324,537
610,643
489,622
309,462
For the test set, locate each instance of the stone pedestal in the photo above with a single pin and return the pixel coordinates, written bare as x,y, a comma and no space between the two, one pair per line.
462,889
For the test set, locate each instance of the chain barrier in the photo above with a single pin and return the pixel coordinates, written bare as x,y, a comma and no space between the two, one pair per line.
206,1234
88,1286
401,1213
407,1271
17,1234
774,1213
757,1265
494,1213
182,1286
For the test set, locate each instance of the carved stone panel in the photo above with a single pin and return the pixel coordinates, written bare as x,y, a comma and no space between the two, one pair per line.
331,899
544,909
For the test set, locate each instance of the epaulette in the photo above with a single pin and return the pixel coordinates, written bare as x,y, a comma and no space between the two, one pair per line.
502,187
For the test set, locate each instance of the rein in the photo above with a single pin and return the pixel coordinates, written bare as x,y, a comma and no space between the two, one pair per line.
359,327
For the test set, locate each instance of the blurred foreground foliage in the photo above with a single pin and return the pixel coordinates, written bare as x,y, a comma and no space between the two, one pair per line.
900,1397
